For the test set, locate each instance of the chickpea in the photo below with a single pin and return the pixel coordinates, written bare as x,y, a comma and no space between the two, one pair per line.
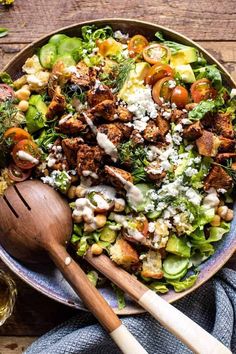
77,218
100,220
23,105
71,192
119,205
80,192
96,249
74,178
89,227
222,211
23,94
216,221
229,215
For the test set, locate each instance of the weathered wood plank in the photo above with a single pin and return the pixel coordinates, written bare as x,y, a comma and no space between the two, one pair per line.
225,52
15,345
202,20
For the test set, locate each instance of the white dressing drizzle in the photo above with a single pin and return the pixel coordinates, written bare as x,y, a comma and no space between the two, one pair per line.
27,157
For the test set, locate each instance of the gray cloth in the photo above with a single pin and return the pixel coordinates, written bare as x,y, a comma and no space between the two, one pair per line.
213,306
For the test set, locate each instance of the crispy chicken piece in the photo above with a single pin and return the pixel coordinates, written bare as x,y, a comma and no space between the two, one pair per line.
223,125
208,144
226,145
122,253
84,76
193,131
218,178
177,115
126,131
113,174
124,114
104,109
57,105
154,173
136,137
89,159
99,94
152,132
225,156
163,125
70,147
71,124
113,133
152,265
56,78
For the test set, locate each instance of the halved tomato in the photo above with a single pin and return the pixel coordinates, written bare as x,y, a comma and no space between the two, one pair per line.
155,53
202,90
157,72
26,154
17,174
162,90
16,134
136,45
6,92
180,96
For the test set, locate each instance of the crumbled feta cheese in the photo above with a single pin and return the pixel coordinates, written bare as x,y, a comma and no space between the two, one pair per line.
121,36
193,196
190,171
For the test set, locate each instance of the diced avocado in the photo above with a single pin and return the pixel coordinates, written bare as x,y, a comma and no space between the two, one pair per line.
35,115
110,47
178,246
186,73
184,56
134,80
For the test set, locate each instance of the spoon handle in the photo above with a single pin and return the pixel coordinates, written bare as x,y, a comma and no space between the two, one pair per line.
189,332
94,301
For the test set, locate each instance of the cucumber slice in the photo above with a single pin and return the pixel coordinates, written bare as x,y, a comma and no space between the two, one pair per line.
66,59
57,38
144,188
173,264
47,55
175,276
69,45
108,234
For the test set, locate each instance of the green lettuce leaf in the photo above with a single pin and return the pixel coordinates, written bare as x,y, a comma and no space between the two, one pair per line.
184,284
212,73
93,277
120,296
159,287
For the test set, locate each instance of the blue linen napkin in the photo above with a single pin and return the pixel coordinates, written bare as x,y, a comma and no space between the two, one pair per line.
213,306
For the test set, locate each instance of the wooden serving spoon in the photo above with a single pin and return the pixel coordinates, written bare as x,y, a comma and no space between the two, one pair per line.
35,221
189,332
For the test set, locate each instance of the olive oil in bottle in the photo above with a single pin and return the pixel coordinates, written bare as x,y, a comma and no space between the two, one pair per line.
7,296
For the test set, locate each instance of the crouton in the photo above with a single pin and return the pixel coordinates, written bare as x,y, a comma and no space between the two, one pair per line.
163,125
113,133
104,109
223,125
57,105
113,174
99,94
208,144
71,124
124,114
152,265
226,145
70,147
122,253
154,173
193,131
152,132
88,160
225,156
218,178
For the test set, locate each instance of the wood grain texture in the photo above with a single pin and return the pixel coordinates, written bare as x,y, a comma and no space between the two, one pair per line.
16,345
28,20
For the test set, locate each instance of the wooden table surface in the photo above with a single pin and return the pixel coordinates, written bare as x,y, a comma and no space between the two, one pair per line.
211,23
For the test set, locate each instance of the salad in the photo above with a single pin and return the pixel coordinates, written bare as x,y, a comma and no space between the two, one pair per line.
139,134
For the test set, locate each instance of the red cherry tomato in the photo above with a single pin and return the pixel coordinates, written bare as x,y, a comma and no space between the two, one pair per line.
162,90
26,154
136,45
17,174
157,72
6,92
202,90
16,134
155,53
180,96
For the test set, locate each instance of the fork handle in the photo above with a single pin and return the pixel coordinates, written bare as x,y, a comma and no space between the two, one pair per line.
189,332
94,301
